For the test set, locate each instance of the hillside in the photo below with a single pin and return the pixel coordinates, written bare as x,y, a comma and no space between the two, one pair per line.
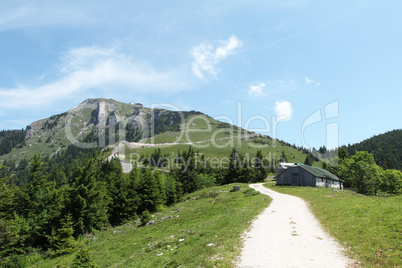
203,231
131,130
386,148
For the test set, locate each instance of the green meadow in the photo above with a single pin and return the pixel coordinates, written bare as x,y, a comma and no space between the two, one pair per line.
368,227
205,230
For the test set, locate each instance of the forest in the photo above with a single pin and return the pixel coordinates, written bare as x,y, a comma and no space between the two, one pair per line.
386,149
59,203
47,203
10,139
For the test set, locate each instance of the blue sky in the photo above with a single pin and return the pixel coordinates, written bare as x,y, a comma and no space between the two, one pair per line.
311,73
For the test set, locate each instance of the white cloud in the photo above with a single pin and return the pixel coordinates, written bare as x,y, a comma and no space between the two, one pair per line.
308,81
17,14
284,109
257,90
206,57
87,68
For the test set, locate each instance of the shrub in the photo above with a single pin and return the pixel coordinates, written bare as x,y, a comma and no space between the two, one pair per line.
251,192
83,259
145,217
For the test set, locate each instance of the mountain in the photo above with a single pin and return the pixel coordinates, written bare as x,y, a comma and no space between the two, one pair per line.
386,148
130,131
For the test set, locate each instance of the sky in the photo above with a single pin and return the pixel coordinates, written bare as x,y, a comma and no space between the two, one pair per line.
310,73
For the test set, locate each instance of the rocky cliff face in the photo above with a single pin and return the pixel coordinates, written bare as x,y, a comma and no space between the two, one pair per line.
100,121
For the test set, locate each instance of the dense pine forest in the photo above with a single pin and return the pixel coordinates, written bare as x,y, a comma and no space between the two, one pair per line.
10,139
386,149
63,199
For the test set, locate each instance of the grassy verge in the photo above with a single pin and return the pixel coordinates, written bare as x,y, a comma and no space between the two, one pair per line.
369,227
204,231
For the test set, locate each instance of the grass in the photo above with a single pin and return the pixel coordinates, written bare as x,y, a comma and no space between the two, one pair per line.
368,227
219,149
204,231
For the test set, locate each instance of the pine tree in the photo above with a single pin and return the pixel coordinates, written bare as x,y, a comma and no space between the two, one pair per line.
283,157
324,165
260,167
40,203
188,176
343,153
89,200
83,259
234,167
308,161
120,207
63,240
7,224
148,191
170,189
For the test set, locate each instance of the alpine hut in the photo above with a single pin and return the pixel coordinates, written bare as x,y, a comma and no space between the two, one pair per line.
303,175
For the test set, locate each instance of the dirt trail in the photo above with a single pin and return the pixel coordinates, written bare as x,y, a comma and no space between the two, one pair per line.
287,234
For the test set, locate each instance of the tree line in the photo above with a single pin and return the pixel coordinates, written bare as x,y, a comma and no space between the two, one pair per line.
10,139
55,206
386,149
361,173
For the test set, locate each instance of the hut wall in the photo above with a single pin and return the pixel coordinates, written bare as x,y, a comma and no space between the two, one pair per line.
327,183
296,176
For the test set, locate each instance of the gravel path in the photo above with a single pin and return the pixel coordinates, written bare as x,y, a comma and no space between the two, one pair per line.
286,234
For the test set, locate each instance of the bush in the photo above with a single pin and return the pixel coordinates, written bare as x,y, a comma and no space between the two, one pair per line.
14,261
145,217
205,181
83,259
251,192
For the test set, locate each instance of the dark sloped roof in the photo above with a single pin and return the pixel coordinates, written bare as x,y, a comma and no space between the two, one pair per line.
319,172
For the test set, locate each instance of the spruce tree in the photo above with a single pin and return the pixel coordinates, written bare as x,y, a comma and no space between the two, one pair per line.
260,167
148,191
308,161
283,157
40,203
83,259
89,200
170,189
63,239
188,176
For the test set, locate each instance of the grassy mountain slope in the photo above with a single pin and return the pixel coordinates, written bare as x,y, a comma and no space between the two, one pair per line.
106,122
204,231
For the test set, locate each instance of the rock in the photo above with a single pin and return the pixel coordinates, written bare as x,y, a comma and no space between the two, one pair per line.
150,222
116,232
29,132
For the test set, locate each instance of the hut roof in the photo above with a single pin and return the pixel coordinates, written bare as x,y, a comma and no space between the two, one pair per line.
319,172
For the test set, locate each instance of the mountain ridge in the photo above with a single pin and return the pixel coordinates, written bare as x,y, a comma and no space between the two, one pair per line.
385,147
